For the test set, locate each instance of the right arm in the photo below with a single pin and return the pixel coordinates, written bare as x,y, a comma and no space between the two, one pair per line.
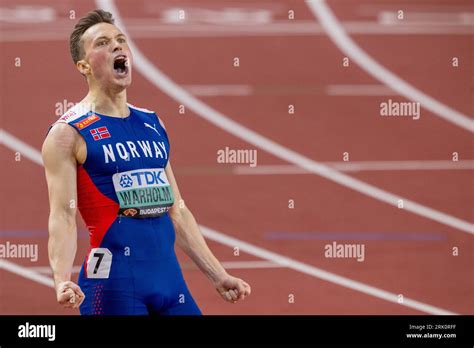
59,158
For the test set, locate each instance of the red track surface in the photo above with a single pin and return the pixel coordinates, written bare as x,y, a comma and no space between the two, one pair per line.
282,70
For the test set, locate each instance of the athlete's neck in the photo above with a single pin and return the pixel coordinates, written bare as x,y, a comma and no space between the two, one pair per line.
110,104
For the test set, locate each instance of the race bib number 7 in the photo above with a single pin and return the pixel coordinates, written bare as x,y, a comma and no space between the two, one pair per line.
99,263
143,193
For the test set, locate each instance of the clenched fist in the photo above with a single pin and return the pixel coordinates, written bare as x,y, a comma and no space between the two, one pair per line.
232,289
69,294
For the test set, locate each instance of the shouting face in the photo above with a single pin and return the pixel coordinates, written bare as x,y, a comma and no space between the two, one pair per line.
107,58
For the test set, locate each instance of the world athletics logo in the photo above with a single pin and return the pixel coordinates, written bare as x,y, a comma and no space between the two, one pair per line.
126,181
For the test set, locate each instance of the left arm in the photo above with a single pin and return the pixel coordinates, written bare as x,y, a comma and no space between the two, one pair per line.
191,241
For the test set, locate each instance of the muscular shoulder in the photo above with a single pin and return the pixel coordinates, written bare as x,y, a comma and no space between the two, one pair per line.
61,142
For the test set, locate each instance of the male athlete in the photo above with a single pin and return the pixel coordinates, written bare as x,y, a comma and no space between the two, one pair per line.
110,160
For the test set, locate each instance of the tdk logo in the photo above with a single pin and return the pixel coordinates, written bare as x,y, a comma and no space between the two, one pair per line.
141,178
148,178
126,181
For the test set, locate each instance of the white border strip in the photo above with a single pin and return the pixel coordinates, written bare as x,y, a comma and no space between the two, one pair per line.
251,249
163,82
336,33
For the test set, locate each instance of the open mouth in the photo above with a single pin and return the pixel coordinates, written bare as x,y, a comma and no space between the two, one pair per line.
121,65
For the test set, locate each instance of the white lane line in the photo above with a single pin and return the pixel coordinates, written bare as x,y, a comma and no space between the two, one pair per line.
26,273
266,255
163,82
284,169
359,90
354,166
336,33
226,264
142,28
47,270
320,273
250,264
436,19
210,90
373,9
16,145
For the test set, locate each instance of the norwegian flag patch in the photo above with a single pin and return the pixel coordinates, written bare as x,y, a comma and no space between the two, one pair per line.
100,133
